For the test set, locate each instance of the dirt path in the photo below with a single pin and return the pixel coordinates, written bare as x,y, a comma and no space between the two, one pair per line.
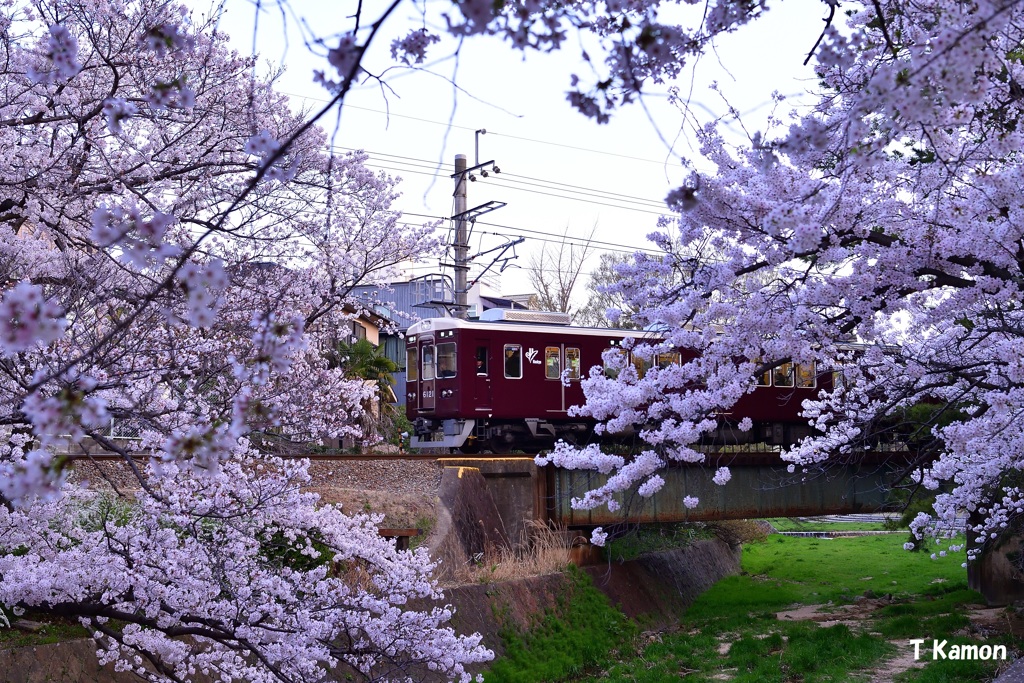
986,622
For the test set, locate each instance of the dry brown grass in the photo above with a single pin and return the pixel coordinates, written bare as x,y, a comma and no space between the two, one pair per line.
545,550
399,510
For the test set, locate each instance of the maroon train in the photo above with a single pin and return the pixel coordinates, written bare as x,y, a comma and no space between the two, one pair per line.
496,384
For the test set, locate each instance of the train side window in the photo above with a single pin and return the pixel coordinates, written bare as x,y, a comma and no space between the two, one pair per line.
642,365
765,378
805,375
412,364
784,375
666,359
552,362
609,371
446,360
513,361
428,362
481,360
572,363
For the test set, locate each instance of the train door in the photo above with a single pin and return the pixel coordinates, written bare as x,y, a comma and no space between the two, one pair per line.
482,382
561,362
553,356
427,373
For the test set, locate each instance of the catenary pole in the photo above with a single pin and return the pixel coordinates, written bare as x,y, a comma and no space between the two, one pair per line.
461,240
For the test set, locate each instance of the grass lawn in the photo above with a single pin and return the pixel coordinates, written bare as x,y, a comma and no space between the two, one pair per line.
880,595
54,630
841,569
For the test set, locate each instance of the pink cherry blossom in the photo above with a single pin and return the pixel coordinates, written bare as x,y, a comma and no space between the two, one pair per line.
28,318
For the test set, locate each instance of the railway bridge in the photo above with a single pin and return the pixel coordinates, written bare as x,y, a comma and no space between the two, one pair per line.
761,486
517,492
495,498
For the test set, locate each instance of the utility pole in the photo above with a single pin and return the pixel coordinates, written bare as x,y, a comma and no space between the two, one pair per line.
463,219
461,239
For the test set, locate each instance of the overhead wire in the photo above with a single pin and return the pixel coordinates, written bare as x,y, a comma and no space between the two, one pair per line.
509,231
411,165
585,198
511,177
447,124
579,241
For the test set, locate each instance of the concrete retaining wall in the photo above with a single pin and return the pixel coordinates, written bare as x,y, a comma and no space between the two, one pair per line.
657,586
70,662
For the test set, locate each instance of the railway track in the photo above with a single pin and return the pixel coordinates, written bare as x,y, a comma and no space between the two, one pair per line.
713,459
107,457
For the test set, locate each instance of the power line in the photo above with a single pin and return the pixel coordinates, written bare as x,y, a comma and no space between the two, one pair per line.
581,149
513,231
489,132
510,177
438,166
624,248
586,199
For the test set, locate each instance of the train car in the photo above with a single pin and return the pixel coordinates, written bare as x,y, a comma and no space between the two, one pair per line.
497,384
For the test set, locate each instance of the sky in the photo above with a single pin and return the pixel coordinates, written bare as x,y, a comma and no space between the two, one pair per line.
563,177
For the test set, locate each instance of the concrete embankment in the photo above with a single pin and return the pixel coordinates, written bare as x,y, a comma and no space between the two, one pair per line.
658,587
70,662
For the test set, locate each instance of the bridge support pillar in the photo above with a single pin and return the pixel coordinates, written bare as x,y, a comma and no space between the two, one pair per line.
469,529
514,487
999,573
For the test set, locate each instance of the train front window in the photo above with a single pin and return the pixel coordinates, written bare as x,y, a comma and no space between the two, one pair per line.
428,362
412,364
572,363
446,360
805,376
552,363
513,361
784,375
481,360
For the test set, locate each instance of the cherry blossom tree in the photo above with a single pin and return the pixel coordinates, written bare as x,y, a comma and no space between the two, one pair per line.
873,233
178,251
877,234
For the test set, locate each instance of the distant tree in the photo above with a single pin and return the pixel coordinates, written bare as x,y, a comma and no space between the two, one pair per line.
365,360
603,295
554,273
